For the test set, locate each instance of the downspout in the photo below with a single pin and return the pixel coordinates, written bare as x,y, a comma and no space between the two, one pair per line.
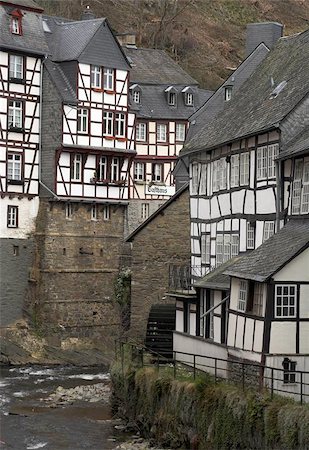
40,134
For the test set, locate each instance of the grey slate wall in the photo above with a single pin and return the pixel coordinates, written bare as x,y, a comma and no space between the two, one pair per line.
14,273
51,131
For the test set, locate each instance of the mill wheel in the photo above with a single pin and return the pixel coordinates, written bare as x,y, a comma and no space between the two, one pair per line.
160,327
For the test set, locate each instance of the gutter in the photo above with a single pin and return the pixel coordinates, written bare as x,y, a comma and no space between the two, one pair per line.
40,134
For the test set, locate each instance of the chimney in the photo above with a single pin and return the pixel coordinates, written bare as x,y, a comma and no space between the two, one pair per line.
267,32
128,39
87,14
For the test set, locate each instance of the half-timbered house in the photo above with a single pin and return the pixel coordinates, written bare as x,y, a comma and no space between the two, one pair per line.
22,49
241,191
163,96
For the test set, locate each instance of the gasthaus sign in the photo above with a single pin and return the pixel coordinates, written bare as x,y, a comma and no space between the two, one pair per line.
153,189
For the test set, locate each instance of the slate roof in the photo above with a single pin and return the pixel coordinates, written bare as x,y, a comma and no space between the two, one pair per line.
216,103
298,146
61,82
31,41
254,110
273,254
152,66
24,3
217,279
154,103
88,41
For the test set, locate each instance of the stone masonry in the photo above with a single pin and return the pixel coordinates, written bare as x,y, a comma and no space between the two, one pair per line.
164,240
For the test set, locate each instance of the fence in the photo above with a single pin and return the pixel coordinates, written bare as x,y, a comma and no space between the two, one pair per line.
182,277
245,374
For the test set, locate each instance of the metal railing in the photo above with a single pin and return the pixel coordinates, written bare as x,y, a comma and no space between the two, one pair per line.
245,374
182,277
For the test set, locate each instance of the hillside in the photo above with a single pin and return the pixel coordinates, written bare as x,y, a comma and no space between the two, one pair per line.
206,37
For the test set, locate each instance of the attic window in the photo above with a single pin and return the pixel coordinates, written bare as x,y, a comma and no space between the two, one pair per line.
228,93
136,97
189,100
278,89
16,24
172,98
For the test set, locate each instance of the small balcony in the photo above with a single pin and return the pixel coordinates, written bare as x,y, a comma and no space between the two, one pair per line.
182,277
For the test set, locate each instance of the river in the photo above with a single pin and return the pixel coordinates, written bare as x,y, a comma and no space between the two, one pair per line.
31,420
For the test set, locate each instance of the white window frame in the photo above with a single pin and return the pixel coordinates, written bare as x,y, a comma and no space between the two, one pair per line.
269,230
140,131
102,168
234,245
136,97
108,76
180,132
144,211
242,295
161,132
297,186
139,171
285,301
203,179
205,248
305,189
76,172
115,169
82,120
228,93
189,99
250,236
94,212
266,164
120,125
15,162
172,98
157,172
258,299
108,122
219,249
195,175
96,77
15,114
289,371
244,169
16,69
12,218
234,170
16,25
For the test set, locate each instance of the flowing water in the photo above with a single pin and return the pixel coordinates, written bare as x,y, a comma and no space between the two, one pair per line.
29,421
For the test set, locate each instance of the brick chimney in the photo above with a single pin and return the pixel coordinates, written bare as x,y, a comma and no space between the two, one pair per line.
267,32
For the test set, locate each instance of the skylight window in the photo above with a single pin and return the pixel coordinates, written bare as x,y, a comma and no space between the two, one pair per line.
278,89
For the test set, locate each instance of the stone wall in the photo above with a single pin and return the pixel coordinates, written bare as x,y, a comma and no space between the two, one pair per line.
134,213
77,262
164,240
15,261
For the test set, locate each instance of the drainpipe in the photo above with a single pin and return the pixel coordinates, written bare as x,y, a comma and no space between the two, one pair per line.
40,134
278,196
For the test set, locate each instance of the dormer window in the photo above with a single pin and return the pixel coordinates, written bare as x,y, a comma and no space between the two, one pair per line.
136,97
16,27
171,95
189,99
228,93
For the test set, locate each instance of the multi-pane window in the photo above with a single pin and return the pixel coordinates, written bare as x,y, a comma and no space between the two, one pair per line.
145,210
285,300
244,169
289,371
234,170
219,174
82,120
242,295
269,229
120,122
16,67
12,216
180,131
108,123
115,169
76,167
305,190
109,79
157,172
219,249
227,246
195,173
139,171
161,132
172,98
14,166
15,114
68,210
207,321
258,299
250,236
205,248
16,25
189,100
94,212
297,186
102,168
266,161
203,179
96,77
136,97
234,245
141,132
